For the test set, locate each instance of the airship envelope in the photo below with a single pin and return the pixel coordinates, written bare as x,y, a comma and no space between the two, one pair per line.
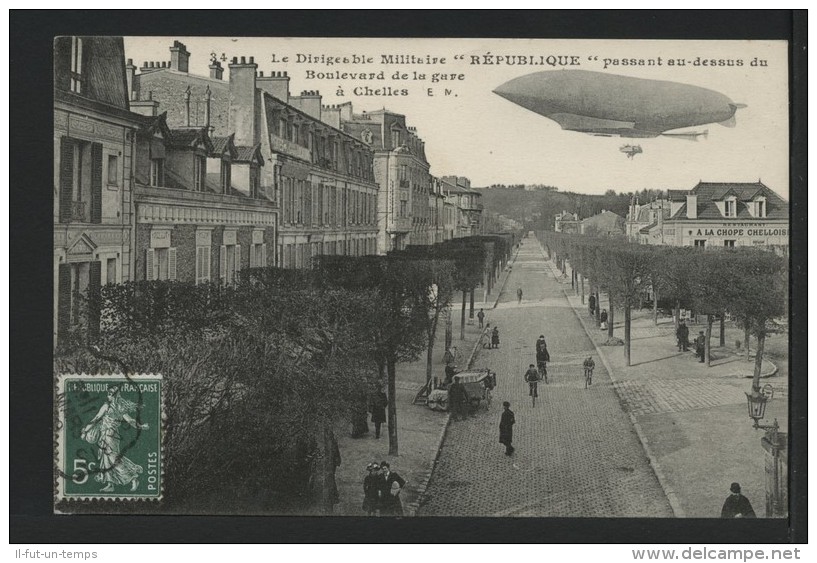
612,105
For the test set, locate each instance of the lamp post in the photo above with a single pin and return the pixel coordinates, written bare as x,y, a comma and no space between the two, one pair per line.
775,446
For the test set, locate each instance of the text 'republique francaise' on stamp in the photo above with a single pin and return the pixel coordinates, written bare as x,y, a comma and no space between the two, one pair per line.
109,435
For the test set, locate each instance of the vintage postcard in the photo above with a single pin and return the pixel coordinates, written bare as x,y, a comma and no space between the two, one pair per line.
421,277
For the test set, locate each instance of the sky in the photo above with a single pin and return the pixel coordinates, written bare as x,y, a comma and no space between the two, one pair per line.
475,133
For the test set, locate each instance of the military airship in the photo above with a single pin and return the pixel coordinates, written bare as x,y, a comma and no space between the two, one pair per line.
612,105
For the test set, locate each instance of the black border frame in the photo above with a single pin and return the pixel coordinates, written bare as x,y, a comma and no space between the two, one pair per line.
31,121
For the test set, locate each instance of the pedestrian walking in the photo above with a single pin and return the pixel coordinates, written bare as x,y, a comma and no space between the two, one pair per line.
519,295
506,428
480,317
495,337
736,505
377,406
592,304
700,347
372,489
457,399
603,319
682,335
391,486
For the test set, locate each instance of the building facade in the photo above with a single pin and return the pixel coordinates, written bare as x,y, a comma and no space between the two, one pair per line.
93,163
317,180
404,213
605,224
645,216
566,223
469,212
714,214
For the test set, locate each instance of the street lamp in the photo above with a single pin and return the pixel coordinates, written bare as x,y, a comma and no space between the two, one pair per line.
775,447
757,401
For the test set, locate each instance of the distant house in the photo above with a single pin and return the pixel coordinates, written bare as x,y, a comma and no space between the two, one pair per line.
566,223
605,224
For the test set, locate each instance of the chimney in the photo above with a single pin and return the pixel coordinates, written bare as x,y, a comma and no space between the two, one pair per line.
242,100
179,57
276,85
130,73
216,71
148,107
345,111
308,102
692,206
187,107
331,116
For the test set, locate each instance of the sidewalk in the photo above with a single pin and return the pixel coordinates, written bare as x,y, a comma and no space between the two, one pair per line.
692,420
420,430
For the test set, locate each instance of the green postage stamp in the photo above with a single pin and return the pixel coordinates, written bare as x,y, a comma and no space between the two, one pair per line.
109,434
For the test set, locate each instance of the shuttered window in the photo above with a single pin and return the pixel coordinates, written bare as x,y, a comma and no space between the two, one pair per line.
66,178
160,264
96,183
202,264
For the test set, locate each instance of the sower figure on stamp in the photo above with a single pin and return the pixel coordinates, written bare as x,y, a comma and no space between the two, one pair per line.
103,430
506,428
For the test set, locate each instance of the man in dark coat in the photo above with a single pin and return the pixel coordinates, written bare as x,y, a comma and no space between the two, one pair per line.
377,407
481,317
495,337
592,304
737,505
700,347
682,334
457,399
390,504
359,425
506,428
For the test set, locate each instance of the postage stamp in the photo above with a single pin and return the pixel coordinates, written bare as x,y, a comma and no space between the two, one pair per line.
108,431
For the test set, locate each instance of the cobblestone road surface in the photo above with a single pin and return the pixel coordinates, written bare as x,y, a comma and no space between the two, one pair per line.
577,453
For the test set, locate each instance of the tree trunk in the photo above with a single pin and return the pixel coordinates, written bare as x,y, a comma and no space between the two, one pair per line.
708,347
325,486
572,278
723,330
471,306
610,317
392,409
432,335
761,343
627,319
655,307
677,315
581,283
462,317
746,335
449,329
598,306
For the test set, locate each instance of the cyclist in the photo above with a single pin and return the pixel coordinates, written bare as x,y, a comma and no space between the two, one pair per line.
532,377
589,366
542,357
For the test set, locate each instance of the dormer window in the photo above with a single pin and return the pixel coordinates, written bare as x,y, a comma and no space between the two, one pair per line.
395,138
730,207
760,207
226,180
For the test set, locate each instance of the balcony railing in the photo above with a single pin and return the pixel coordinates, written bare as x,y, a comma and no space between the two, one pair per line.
78,212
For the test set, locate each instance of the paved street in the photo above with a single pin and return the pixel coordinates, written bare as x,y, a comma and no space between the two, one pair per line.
577,453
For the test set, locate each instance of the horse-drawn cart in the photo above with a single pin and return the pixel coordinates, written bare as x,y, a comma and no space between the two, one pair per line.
478,385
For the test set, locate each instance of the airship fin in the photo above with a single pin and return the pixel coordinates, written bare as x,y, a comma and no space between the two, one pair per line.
731,122
738,106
